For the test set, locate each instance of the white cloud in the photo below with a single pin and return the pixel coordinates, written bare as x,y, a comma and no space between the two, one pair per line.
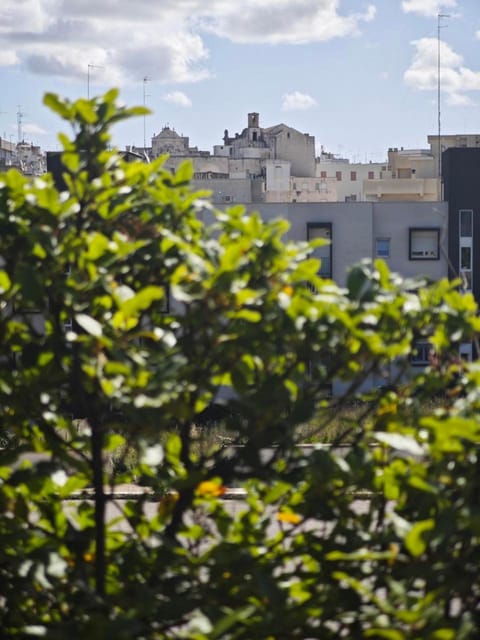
282,21
34,129
178,97
456,79
8,58
163,40
297,101
427,8
459,100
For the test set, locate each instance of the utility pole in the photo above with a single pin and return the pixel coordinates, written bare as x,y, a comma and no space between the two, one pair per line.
439,26
145,80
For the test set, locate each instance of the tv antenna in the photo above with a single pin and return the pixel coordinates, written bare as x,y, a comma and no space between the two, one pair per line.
145,80
20,115
440,16
91,66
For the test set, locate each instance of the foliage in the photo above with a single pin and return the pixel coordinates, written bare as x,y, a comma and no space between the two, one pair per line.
124,318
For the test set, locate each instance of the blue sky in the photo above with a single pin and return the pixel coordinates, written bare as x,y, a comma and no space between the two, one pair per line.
361,76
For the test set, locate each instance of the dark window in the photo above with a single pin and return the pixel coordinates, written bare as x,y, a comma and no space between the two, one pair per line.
420,356
466,258
323,230
466,223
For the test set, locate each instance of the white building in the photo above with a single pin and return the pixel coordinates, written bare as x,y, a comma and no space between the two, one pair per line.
349,176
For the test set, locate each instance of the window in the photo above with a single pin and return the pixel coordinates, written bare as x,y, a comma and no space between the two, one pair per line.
466,223
424,243
338,175
352,198
371,175
420,356
465,258
466,351
323,174
353,176
322,230
466,247
405,173
382,247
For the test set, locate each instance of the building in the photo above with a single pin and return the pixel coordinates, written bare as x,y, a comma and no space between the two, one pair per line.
348,177
410,175
260,164
461,172
7,154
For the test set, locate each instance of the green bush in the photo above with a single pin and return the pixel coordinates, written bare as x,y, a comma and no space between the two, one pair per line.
87,335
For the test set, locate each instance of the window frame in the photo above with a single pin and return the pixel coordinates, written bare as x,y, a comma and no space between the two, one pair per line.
465,244
328,227
412,231
423,347
382,239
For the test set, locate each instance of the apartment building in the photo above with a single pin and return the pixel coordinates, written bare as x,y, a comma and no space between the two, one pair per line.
348,177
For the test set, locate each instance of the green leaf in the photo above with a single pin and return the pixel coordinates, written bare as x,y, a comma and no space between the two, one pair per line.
388,634
415,538
173,448
85,110
56,104
5,282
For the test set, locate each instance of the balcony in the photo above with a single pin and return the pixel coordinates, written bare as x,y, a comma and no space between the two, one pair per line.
426,189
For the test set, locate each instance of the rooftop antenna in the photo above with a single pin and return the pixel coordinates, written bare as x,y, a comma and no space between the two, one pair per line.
20,115
439,26
145,80
91,66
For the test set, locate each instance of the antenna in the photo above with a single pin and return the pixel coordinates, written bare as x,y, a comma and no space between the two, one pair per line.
439,26
91,66
20,115
145,80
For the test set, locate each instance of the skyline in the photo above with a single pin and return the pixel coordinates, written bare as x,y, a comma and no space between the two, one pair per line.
359,76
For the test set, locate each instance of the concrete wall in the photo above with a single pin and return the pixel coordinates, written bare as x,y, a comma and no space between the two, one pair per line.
226,191
346,187
299,148
277,175
394,219
356,225
351,232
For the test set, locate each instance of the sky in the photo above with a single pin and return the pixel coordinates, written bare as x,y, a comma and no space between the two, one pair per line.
361,76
